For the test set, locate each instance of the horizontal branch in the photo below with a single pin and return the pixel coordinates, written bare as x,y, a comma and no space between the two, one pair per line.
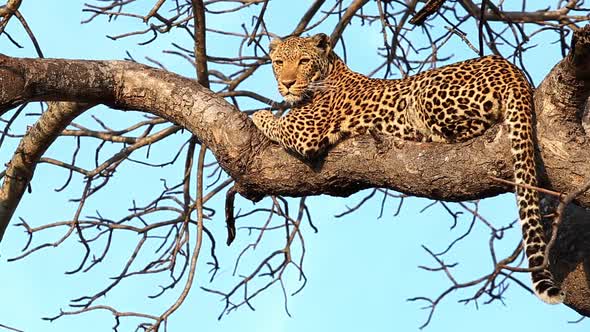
242,151
438,171
452,172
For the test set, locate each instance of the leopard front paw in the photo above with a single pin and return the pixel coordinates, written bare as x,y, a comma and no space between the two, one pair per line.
262,119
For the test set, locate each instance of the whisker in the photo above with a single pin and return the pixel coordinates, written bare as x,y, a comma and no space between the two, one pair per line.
320,85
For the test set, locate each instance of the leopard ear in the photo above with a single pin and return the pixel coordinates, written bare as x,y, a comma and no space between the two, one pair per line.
274,43
321,41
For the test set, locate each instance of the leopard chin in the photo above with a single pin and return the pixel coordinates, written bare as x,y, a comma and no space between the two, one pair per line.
292,98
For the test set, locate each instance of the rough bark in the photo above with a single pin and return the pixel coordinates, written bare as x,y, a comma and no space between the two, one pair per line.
447,172
560,103
21,168
428,170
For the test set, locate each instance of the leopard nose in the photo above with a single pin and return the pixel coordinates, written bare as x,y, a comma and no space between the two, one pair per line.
288,83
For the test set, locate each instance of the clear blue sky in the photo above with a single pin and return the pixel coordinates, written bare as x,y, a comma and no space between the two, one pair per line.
361,269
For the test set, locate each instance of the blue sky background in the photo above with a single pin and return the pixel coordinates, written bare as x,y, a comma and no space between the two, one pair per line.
361,269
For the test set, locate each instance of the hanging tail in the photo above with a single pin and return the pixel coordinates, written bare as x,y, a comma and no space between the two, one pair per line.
519,117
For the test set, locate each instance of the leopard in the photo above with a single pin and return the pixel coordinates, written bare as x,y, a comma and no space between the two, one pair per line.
449,104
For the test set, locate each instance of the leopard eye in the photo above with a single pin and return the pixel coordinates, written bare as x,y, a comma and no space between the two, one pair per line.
304,61
278,62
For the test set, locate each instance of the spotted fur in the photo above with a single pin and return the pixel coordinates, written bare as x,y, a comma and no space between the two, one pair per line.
449,104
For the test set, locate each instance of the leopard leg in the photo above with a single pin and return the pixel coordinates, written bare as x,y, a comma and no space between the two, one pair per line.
293,133
469,128
266,122
459,130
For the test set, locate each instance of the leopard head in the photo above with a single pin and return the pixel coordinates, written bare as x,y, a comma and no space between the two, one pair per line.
298,62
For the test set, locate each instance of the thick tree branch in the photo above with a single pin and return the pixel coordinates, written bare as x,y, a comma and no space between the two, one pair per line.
39,137
564,144
559,103
416,168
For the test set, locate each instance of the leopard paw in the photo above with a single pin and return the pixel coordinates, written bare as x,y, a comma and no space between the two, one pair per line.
262,118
